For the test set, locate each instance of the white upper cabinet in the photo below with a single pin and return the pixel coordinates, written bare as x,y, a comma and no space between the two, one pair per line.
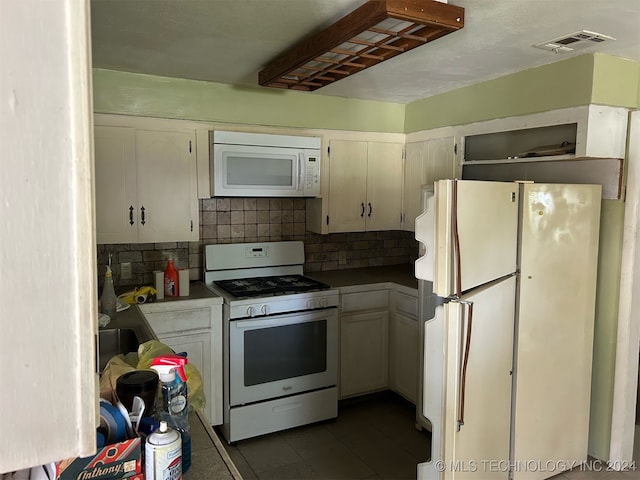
590,131
575,145
365,186
167,186
146,184
347,186
384,186
115,167
426,162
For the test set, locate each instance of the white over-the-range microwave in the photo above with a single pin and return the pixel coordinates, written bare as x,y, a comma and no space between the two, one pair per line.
264,165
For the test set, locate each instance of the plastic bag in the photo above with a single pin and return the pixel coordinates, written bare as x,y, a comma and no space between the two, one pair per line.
147,351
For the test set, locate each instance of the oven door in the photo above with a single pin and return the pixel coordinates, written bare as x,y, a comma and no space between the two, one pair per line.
281,355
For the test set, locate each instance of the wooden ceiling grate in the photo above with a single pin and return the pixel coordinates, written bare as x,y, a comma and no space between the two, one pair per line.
375,32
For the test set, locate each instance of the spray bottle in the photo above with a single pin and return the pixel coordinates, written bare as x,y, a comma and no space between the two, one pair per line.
163,454
170,279
173,407
108,299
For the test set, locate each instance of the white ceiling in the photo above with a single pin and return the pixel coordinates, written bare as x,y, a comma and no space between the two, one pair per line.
230,41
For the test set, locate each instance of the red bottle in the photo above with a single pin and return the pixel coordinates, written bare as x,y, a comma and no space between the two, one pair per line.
170,280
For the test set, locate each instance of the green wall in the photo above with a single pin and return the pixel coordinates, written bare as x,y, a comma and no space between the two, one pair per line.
616,82
592,78
147,95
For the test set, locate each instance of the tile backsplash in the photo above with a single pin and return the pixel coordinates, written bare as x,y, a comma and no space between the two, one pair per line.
236,220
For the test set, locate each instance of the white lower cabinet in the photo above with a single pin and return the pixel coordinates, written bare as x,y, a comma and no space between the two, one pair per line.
194,327
364,340
379,344
404,345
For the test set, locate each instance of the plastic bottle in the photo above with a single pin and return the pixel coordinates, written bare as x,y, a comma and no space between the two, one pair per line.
163,454
108,299
170,279
173,405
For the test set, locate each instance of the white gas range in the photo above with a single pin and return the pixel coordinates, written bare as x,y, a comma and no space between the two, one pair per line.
280,338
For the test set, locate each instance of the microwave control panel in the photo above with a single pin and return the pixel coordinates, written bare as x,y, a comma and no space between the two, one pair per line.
312,174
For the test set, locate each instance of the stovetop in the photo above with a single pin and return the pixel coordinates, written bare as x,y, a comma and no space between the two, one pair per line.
268,286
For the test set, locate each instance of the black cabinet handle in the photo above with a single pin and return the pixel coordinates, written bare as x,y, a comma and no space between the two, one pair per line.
362,206
370,209
131,215
142,215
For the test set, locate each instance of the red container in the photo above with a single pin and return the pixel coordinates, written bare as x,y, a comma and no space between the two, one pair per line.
170,280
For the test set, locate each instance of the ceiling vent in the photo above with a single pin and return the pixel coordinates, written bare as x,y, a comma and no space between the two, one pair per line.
574,41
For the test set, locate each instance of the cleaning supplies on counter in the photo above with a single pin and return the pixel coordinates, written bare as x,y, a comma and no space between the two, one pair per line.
139,295
172,407
142,383
183,282
108,299
170,279
158,275
163,452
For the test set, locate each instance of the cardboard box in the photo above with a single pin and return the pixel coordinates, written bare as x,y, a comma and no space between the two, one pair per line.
120,460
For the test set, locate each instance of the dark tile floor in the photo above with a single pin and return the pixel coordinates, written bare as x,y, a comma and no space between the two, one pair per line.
373,438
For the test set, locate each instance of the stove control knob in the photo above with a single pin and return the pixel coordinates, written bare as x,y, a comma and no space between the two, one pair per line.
311,303
264,309
250,311
324,302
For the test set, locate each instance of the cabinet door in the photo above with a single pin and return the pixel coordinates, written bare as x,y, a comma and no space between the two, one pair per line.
404,356
384,186
198,349
167,186
426,163
416,154
363,352
441,158
347,186
115,170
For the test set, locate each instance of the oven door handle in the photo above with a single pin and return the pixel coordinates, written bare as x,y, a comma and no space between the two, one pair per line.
282,320
248,324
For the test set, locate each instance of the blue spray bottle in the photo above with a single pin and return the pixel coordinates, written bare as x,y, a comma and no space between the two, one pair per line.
174,409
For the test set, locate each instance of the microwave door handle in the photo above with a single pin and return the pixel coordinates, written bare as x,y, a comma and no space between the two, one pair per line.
300,180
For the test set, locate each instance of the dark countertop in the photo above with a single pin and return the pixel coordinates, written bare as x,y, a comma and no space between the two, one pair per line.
401,274
209,459
196,290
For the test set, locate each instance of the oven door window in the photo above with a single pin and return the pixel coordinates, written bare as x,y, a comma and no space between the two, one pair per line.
288,351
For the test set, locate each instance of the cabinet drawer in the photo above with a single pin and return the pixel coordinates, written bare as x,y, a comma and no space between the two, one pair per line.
406,304
375,299
179,320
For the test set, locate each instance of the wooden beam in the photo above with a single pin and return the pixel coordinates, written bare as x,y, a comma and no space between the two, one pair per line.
438,19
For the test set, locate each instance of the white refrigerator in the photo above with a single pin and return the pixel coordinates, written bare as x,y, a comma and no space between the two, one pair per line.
507,357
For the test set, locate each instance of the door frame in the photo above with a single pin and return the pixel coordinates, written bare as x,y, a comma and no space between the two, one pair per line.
625,385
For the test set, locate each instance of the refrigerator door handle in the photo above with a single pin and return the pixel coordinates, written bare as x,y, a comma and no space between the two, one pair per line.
456,239
464,358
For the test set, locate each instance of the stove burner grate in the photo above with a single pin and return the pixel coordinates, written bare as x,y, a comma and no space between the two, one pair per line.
267,286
